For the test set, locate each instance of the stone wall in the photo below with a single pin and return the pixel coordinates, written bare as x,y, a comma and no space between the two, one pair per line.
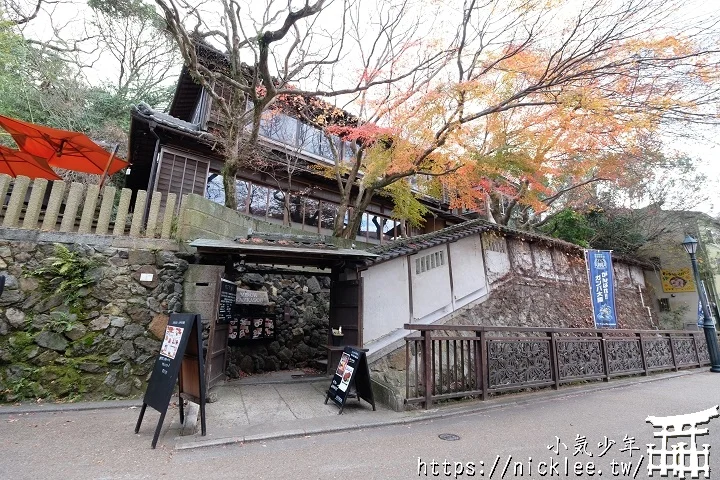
537,287
299,340
102,346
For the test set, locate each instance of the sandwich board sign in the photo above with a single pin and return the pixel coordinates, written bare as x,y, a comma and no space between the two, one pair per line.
352,378
180,359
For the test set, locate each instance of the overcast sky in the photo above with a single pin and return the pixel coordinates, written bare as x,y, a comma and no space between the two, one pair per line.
708,150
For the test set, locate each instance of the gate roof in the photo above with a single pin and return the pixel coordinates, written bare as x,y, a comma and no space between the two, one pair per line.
282,250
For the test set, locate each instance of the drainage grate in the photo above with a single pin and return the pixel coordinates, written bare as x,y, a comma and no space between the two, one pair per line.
450,437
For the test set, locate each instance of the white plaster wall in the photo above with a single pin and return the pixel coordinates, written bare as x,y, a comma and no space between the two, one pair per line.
543,261
521,256
637,277
497,262
561,265
468,270
386,298
431,289
622,275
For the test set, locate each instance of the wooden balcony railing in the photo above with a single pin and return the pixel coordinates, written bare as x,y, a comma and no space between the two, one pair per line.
448,362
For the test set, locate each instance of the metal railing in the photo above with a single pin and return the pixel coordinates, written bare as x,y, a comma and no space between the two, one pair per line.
448,362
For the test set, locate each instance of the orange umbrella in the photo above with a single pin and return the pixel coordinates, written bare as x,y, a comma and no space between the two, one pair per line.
62,148
14,163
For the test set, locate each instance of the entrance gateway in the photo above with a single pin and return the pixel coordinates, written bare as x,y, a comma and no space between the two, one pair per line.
251,317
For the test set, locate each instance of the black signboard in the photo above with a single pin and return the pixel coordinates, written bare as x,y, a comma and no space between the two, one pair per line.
182,334
228,291
352,378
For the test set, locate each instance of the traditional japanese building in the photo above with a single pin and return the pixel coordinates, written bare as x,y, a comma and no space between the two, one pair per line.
178,152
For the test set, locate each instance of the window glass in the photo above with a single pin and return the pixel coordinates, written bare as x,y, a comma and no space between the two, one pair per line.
312,214
363,228
323,147
375,226
329,211
242,188
348,154
296,209
215,190
259,201
276,209
309,138
280,127
392,230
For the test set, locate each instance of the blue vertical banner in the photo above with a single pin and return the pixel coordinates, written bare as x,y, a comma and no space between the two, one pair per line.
701,315
602,287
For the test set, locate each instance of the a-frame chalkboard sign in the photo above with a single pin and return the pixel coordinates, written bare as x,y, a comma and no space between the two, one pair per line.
352,377
180,358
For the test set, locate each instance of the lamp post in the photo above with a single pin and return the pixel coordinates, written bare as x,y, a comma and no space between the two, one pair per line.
690,245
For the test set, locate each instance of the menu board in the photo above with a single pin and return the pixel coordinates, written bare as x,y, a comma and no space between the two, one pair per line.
352,377
182,328
228,291
242,328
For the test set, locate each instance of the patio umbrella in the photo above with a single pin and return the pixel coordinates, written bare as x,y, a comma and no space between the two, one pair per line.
62,148
14,163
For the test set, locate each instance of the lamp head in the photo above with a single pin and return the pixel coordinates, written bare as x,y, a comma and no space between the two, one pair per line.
690,245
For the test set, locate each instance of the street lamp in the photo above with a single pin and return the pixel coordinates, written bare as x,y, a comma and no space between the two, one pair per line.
690,245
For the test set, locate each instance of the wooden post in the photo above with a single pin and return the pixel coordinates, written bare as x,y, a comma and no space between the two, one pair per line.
554,365
642,353
672,351
427,367
483,371
606,362
107,167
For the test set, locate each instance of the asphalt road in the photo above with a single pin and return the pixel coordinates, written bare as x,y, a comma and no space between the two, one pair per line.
102,445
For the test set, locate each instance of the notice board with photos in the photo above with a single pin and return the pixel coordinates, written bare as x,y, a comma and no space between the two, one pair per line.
178,360
351,379
253,318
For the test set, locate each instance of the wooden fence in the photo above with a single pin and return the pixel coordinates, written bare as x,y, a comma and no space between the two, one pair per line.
447,362
52,206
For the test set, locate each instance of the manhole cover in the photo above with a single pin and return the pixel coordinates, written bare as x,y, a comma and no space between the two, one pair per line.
450,437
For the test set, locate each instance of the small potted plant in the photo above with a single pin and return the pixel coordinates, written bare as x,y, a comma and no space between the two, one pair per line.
337,337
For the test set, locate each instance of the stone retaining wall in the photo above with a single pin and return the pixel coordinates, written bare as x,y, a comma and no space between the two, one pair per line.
299,341
102,347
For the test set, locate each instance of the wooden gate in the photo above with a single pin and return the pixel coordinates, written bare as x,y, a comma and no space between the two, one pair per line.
202,295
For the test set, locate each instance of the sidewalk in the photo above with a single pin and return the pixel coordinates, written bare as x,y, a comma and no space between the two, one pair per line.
279,406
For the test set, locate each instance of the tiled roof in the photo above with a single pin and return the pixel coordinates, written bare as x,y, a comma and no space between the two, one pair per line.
412,245
148,113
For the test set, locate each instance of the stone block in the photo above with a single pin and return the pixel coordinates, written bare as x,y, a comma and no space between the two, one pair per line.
51,340
15,317
77,331
158,325
141,257
131,331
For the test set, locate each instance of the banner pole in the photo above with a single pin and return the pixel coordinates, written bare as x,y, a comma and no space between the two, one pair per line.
590,288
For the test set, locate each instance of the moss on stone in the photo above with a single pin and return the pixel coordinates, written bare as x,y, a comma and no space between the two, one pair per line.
61,381
17,344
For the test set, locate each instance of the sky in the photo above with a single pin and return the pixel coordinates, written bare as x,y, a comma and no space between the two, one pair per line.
707,149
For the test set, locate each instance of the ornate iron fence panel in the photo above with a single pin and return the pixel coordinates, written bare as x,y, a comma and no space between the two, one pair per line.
658,353
580,358
624,355
702,349
518,363
685,353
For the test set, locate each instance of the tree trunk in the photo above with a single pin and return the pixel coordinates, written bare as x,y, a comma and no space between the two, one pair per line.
229,172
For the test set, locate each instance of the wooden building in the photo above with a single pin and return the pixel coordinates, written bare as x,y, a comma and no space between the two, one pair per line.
176,152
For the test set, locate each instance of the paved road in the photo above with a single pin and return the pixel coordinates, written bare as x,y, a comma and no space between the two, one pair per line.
101,444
